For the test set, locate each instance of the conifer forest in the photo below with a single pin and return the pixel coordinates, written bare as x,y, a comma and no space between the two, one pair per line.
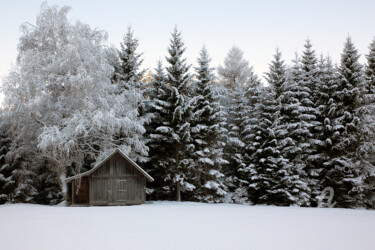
205,134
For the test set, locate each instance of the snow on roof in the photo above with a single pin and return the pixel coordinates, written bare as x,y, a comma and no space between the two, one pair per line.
148,177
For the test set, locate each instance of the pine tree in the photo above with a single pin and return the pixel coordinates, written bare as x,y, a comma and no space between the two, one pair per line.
309,115
47,184
7,183
326,132
276,76
24,177
343,169
173,130
292,132
366,148
234,151
276,175
241,119
207,124
158,106
127,71
235,71
272,179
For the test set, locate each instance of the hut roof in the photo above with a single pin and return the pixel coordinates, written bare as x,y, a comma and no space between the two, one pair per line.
148,177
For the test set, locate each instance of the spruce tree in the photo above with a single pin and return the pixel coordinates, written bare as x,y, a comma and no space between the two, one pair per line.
7,183
207,124
272,178
309,115
127,70
366,149
173,133
158,106
326,132
47,184
276,76
343,167
278,178
293,131
235,71
234,151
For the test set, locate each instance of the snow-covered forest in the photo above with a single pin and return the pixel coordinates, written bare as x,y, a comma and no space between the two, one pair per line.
204,134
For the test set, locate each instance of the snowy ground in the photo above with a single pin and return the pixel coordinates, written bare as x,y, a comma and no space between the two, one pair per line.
172,225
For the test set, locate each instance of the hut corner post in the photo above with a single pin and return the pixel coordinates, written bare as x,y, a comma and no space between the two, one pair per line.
72,193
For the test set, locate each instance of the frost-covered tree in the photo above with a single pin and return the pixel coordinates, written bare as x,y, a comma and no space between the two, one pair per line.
309,93
276,76
157,93
127,71
343,166
59,98
47,184
7,183
207,123
235,146
241,119
242,86
273,180
366,148
327,130
172,133
294,127
235,71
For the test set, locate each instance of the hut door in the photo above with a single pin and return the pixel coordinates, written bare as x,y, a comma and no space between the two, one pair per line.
100,190
120,190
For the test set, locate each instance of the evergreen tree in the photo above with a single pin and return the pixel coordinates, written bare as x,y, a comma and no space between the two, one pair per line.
127,71
343,169
272,178
207,124
308,97
277,176
327,131
47,184
241,119
366,149
241,94
173,133
235,71
158,106
276,76
234,150
7,183
293,132
23,177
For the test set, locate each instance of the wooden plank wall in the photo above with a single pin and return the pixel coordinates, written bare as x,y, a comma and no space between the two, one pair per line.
117,182
83,194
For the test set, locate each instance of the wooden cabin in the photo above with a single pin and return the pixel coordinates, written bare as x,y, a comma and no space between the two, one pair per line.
116,180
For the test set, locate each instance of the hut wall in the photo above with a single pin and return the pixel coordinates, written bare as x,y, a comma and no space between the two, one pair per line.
82,197
117,182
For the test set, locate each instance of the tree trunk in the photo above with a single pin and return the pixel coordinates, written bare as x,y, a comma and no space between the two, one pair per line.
178,184
64,186
178,192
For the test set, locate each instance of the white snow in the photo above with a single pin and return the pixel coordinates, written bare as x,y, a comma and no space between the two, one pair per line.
185,225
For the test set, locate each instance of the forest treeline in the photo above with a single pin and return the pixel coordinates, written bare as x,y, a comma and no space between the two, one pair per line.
203,134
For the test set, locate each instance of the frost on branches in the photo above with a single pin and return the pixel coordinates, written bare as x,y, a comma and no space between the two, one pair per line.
59,98
207,122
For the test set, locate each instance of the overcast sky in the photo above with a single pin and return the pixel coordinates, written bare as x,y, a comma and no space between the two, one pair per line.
257,27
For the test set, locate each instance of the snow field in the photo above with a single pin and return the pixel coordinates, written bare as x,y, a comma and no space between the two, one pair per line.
185,225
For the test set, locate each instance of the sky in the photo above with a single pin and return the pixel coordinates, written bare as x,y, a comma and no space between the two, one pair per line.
257,27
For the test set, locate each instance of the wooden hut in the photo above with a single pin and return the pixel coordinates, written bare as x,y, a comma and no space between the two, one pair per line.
116,180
